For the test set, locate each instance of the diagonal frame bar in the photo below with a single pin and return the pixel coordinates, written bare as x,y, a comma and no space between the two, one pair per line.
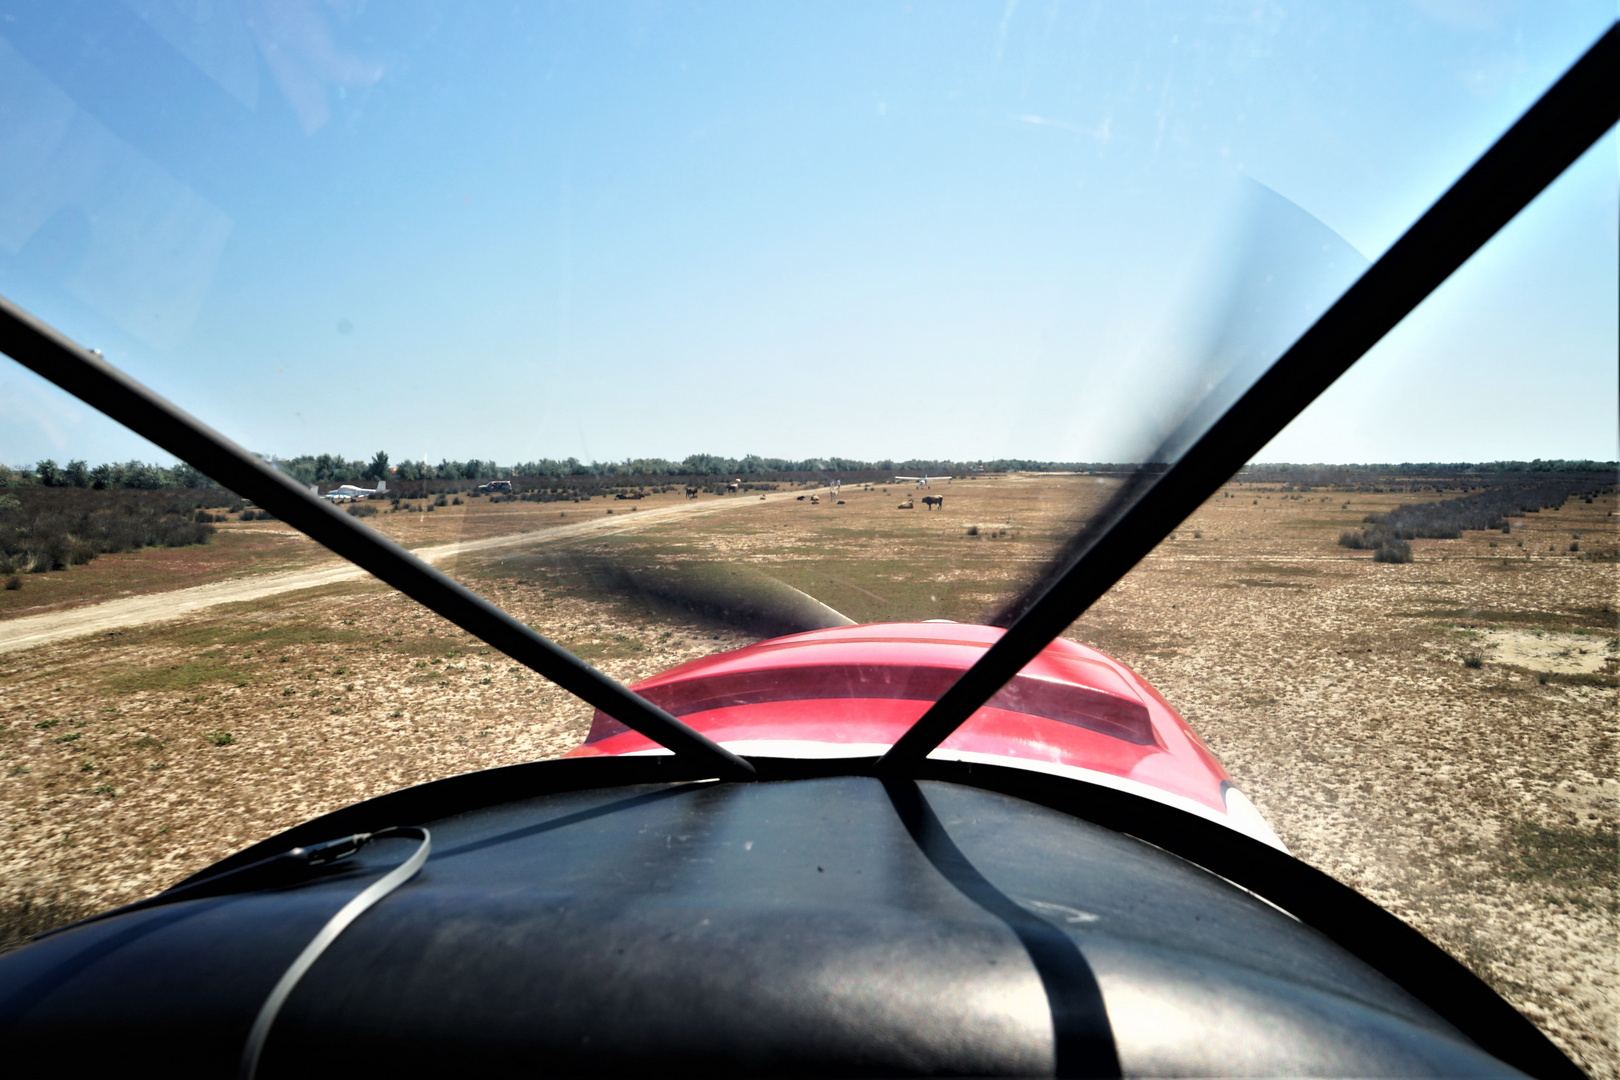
1572,115
50,354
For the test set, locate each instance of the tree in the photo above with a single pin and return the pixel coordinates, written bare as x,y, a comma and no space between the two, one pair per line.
49,473
187,477
77,474
378,469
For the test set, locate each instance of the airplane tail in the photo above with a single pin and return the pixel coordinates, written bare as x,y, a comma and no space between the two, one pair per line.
382,486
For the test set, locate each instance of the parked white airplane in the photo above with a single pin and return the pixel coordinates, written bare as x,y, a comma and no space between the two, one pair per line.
922,481
345,492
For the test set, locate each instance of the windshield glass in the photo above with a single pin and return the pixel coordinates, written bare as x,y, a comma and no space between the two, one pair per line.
671,328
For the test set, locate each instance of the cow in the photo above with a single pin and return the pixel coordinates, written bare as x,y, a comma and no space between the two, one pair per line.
815,500
907,505
691,492
934,502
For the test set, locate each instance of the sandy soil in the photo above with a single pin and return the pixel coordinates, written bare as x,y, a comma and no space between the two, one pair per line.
1477,802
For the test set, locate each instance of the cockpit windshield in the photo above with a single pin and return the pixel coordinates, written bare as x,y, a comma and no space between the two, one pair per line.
670,329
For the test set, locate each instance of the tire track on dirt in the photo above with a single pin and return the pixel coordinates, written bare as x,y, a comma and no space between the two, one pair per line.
51,626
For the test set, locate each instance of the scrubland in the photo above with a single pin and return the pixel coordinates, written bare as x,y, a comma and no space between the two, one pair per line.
1440,735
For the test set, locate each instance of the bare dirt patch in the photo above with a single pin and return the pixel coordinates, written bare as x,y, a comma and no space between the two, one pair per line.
1539,650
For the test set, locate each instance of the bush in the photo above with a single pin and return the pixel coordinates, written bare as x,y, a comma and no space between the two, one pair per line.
1473,660
13,583
441,501
1394,551
55,528
456,501
362,510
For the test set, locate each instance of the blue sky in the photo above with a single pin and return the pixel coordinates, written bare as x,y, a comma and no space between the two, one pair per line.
867,230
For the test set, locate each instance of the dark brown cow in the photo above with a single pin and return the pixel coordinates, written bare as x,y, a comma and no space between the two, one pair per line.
934,502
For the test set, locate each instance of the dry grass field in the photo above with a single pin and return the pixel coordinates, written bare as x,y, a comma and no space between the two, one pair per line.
1440,734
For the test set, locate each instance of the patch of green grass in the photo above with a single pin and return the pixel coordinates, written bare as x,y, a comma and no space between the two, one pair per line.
203,670
230,632
220,738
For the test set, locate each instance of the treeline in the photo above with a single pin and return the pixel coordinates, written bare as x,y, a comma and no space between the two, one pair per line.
701,465
52,528
1439,468
127,475
1423,474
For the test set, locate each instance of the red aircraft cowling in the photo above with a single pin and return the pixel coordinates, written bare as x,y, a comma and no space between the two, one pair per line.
851,691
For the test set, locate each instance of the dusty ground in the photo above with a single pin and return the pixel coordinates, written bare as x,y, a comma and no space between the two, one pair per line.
1477,802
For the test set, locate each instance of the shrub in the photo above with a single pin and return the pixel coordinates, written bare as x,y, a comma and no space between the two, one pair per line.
54,528
362,510
1395,551
220,738
441,501
1473,660
1575,546
973,530
456,501
13,582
